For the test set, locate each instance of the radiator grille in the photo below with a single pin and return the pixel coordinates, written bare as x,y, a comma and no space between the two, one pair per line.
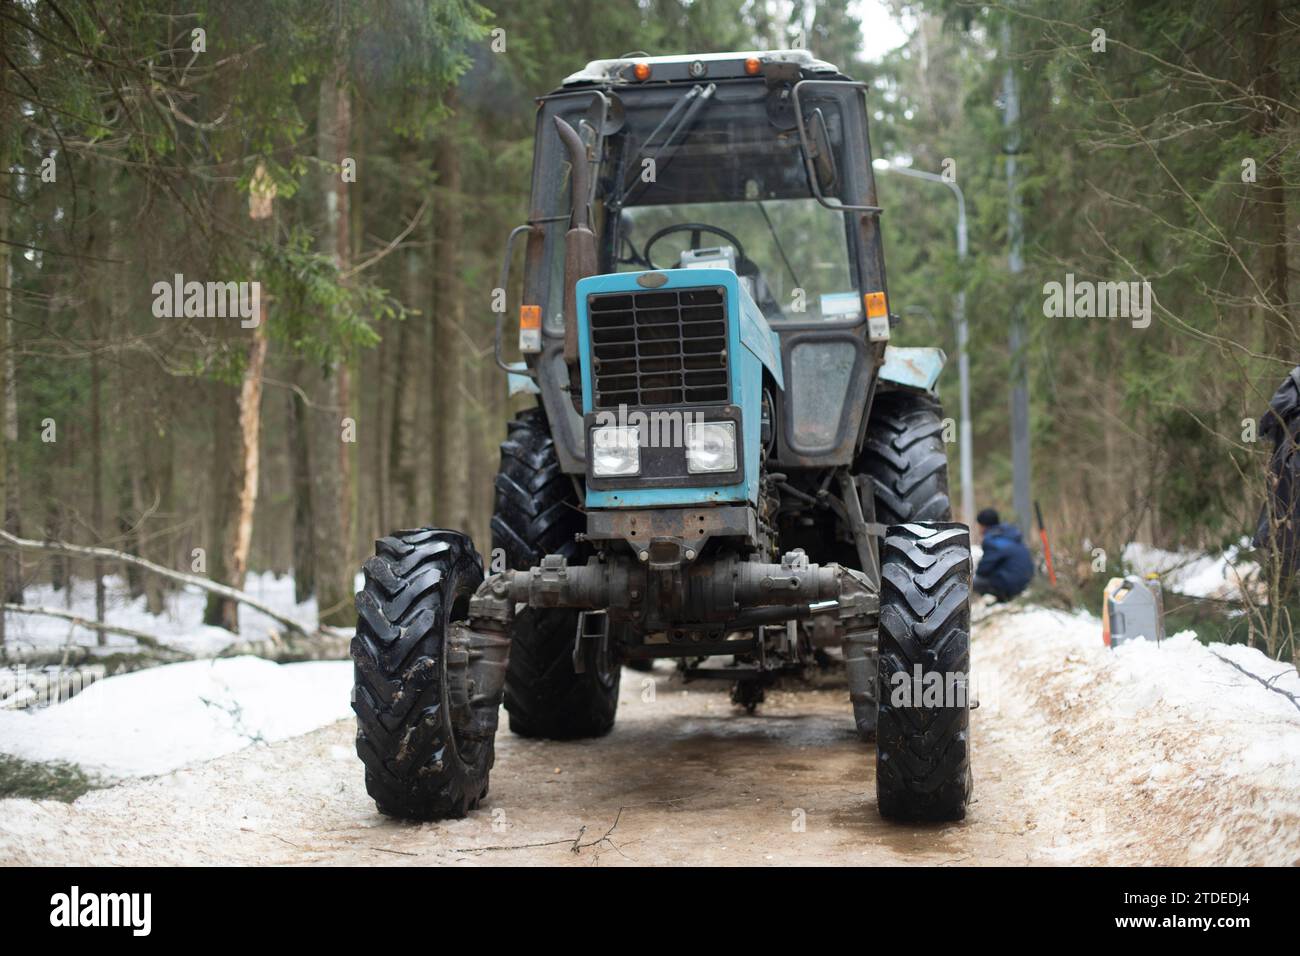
667,347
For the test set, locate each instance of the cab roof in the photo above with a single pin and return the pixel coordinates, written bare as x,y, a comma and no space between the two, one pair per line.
693,66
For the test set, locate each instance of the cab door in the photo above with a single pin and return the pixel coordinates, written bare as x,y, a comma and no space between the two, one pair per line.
830,363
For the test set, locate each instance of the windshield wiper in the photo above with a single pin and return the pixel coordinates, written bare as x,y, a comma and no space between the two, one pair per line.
689,107
779,248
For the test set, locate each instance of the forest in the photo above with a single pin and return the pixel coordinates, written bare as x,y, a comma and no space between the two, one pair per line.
363,163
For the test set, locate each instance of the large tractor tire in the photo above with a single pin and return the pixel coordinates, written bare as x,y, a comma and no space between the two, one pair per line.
537,513
906,466
904,457
923,732
425,740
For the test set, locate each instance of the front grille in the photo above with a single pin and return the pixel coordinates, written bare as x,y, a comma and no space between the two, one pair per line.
667,347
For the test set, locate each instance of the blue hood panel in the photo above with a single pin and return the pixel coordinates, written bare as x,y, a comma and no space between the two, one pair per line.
752,347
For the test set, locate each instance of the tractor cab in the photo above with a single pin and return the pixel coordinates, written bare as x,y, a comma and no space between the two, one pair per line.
757,163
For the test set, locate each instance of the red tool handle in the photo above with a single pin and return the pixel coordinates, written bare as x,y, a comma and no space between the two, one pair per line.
1047,548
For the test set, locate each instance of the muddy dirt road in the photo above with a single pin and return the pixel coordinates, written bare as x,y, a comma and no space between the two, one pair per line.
685,778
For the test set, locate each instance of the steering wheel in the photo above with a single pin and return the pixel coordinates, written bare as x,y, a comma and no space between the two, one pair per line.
696,229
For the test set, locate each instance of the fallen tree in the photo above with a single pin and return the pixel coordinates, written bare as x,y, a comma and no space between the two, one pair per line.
141,638
212,587
329,645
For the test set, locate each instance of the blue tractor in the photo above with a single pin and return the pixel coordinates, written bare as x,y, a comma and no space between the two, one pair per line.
727,464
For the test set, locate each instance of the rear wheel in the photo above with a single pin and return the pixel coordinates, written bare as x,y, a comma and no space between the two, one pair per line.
537,513
922,735
426,743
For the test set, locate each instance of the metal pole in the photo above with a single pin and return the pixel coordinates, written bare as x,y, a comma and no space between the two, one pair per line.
1020,474
963,339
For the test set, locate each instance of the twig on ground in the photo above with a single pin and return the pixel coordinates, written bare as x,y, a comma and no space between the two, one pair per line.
575,845
1295,699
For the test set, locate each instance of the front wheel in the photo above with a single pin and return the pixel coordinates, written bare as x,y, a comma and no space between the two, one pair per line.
923,726
425,740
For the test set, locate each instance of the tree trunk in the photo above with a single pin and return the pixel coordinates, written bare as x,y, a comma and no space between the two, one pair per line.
227,479
129,516
6,302
343,256
237,535
333,574
331,499
156,446
97,479
54,530
403,506
347,442
450,439
7,109
402,465
376,368
13,566
1282,332
304,562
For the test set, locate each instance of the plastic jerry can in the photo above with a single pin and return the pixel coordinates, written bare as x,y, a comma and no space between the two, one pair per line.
1133,607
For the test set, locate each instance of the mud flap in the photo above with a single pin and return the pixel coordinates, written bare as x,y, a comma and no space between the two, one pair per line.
861,659
592,626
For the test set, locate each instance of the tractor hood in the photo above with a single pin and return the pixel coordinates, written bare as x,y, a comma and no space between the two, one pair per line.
681,343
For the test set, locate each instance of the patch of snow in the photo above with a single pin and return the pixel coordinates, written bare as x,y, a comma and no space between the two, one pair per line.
180,625
1169,724
1194,573
156,720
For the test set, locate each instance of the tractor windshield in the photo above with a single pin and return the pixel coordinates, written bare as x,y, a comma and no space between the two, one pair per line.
791,254
714,175
711,174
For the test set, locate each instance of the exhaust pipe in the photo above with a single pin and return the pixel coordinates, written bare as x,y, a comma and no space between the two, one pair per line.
579,250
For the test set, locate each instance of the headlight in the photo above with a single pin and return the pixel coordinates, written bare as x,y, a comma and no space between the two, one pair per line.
710,446
615,450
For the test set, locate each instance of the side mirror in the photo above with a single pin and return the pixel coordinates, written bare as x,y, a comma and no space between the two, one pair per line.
821,153
814,143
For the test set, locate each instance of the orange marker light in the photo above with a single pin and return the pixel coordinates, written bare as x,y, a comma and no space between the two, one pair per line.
876,306
641,71
753,65
530,328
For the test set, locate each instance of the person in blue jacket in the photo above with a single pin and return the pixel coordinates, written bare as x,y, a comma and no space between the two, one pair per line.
1007,566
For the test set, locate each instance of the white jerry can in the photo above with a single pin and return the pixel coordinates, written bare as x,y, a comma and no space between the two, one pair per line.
1133,607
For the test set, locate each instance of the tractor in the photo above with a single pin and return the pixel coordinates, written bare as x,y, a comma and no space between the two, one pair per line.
726,463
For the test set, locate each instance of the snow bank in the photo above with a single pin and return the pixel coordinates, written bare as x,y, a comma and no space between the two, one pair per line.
153,721
1193,573
180,625
1172,728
